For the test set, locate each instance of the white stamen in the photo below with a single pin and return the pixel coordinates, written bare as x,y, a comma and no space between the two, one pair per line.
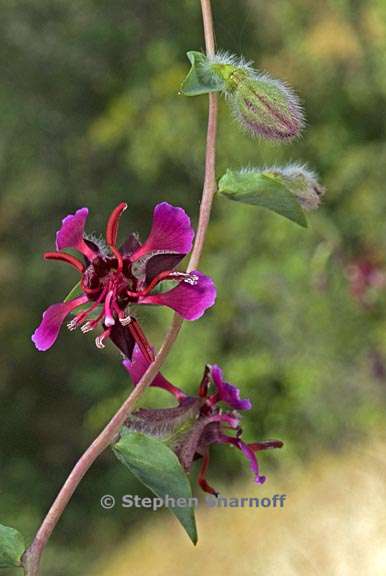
87,327
192,280
125,321
72,325
99,342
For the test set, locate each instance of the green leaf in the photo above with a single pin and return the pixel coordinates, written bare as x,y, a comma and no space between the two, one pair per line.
262,189
200,80
156,466
11,547
74,292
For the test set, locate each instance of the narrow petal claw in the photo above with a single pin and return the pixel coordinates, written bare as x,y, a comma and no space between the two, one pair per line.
190,299
249,454
137,367
47,332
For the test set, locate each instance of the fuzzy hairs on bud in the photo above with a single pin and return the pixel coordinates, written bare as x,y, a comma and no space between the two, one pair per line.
263,106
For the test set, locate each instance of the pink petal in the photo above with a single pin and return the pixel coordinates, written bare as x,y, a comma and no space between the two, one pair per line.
137,367
48,330
249,454
171,231
189,300
227,392
71,233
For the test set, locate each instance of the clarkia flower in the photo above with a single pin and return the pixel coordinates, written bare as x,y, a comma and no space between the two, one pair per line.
116,279
197,422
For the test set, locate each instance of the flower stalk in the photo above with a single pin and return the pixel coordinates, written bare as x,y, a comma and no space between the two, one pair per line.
32,556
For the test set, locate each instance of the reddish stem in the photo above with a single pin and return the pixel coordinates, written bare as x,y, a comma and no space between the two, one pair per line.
31,558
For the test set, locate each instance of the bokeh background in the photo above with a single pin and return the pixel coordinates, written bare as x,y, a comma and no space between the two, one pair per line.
90,116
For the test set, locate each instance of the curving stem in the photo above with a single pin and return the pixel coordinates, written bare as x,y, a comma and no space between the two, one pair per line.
32,556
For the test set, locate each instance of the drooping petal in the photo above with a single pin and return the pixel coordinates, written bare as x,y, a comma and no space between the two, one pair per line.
137,367
190,299
48,330
171,231
227,392
71,233
248,453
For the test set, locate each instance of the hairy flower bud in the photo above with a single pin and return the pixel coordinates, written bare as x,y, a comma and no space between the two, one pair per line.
302,183
263,106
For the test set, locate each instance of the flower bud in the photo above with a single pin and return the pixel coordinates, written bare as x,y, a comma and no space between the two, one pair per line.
302,183
263,106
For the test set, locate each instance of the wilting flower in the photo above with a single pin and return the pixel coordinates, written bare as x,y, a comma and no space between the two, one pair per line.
114,280
262,105
197,422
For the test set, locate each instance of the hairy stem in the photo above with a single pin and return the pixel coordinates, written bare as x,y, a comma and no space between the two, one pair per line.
31,558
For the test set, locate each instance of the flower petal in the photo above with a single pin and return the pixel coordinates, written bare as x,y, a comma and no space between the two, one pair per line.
137,367
72,230
248,453
171,231
47,332
71,233
227,392
189,299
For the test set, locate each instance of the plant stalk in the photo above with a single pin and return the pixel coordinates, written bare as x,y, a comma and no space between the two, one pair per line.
32,556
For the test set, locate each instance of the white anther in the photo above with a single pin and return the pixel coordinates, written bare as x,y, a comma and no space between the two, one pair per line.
125,321
192,280
72,325
87,327
99,342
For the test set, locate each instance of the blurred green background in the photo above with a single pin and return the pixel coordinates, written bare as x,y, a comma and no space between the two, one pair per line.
90,116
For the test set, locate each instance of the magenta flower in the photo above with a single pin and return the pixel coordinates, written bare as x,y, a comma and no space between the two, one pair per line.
114,280
197,422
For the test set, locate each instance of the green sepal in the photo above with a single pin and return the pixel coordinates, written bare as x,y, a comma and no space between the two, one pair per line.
74,292
201,79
